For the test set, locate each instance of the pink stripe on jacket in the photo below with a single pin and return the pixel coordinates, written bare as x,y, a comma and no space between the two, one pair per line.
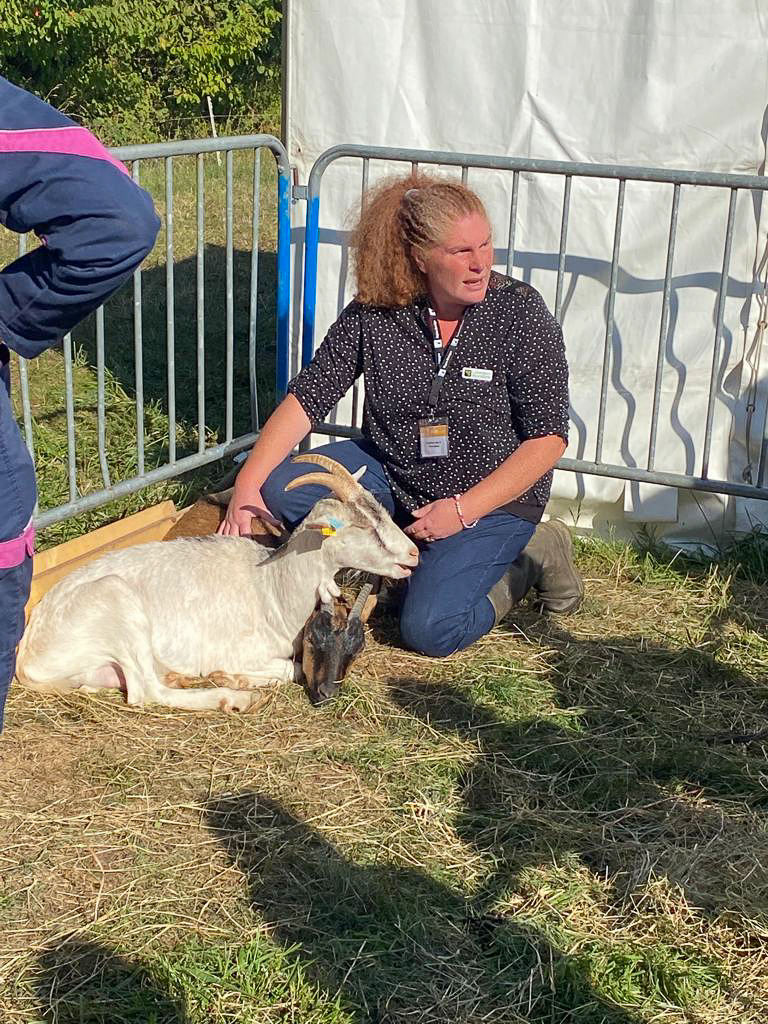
72,140
13,552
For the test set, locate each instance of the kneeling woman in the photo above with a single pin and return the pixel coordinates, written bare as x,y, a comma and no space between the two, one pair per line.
466,413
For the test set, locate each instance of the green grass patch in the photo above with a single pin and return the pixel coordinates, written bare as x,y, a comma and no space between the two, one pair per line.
642,976
88,983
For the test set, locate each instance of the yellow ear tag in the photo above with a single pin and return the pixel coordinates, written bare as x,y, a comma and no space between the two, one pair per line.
328,531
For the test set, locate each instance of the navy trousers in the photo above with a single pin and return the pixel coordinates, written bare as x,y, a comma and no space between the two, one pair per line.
95,225
446,606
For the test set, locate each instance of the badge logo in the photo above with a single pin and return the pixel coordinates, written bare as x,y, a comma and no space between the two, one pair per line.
476,373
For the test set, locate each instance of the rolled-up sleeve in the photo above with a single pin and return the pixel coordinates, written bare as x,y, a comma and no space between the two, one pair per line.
334,367
538,387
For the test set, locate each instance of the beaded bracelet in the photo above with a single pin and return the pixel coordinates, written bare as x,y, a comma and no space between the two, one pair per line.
465,525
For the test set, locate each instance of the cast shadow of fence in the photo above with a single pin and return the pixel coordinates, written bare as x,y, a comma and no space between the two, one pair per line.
120,360
390,943
581,268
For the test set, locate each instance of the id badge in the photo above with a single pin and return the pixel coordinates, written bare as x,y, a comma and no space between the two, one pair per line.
433,437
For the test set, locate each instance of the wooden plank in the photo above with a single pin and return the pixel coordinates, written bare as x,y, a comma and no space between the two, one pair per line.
103,536
141,528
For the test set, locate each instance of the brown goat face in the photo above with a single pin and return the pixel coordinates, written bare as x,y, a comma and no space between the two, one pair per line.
332,641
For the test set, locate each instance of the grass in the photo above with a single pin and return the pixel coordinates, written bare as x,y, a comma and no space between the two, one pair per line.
557,825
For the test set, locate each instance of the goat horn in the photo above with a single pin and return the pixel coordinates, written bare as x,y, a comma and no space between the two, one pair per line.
330,464
362,597
337,484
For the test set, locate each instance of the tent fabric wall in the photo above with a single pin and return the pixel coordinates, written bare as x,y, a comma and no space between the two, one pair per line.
670,83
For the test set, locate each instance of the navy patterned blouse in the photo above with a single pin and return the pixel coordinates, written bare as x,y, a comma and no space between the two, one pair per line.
509,337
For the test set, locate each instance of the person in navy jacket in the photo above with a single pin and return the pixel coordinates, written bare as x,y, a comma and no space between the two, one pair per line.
95,226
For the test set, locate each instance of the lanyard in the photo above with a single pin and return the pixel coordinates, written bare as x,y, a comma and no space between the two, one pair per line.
443,361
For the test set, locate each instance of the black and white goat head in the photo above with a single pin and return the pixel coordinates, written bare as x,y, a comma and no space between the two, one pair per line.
333,637
334,634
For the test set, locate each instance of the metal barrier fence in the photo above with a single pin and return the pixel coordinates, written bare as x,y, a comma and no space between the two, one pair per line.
206,453
210,452
733,183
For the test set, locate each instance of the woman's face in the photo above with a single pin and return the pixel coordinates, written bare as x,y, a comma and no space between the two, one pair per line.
458,268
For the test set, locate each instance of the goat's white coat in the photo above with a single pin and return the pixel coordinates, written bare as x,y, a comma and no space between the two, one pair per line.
194,606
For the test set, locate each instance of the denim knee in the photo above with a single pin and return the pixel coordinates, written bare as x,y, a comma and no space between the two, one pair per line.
290,506
273,491
434,637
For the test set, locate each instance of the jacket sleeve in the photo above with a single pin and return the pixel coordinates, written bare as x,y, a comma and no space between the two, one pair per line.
334,367
95,224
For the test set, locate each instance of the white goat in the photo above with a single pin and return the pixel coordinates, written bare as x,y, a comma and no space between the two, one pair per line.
195,606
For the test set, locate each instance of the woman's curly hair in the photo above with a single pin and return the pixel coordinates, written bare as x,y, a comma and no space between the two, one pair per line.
398,217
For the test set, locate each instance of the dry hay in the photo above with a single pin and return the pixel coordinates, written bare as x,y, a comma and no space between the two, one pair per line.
564,784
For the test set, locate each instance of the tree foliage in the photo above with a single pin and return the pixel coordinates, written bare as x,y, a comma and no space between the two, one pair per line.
140,63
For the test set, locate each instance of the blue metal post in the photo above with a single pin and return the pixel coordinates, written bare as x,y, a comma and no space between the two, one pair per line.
283,278
310,277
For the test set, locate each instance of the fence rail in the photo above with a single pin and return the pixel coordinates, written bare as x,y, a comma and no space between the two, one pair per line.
621,174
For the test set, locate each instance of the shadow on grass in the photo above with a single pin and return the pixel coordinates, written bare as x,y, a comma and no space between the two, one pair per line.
82,982
392,944
119,334
644,782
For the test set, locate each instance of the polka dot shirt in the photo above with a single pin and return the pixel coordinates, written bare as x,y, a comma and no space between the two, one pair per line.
510,333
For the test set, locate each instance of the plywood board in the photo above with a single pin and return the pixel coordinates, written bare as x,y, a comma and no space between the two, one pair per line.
56,563
102,537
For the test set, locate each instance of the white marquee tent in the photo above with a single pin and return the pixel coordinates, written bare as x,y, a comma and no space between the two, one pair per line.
660,83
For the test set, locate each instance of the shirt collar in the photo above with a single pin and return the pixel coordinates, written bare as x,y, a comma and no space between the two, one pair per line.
421,303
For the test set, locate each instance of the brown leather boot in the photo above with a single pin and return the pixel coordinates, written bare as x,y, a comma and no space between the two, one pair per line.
513,586
559,587
546,566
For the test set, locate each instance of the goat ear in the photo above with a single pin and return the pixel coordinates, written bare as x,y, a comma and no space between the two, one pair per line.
358,474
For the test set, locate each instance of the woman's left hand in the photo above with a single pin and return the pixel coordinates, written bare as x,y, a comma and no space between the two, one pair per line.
434,521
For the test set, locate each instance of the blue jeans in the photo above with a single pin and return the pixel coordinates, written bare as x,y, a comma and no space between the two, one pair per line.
14,591
446,606
17,501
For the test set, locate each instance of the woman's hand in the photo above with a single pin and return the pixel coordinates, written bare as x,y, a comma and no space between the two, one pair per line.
287,425
434,521
240,512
